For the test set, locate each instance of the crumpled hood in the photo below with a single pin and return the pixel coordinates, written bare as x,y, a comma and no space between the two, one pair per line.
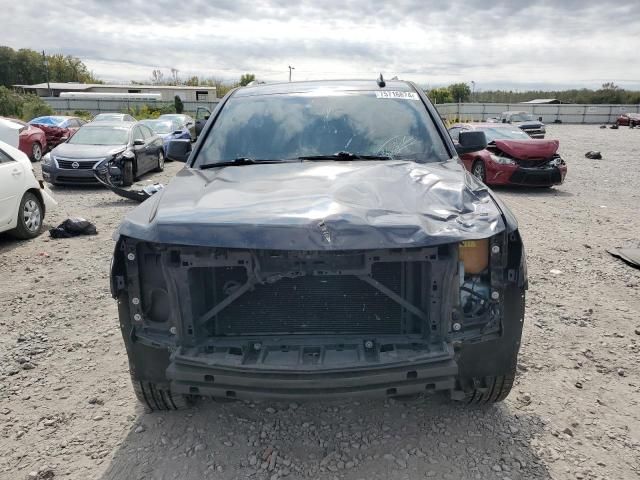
527,149
72,150
319,206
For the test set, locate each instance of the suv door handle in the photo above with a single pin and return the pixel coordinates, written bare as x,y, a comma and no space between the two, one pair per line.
16,173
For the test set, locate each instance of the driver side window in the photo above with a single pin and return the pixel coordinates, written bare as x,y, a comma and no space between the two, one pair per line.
146,132
137,134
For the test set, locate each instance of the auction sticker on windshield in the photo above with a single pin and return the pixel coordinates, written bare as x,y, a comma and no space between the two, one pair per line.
397,94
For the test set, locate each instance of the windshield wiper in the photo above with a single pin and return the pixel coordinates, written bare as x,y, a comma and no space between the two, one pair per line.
236,162
340,156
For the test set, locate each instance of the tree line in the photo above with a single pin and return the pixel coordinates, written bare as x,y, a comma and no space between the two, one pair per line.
608,93
26,67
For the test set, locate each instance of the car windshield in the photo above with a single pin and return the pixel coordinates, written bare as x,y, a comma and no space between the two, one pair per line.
289,126
504,134
54,121
100,136
161,126
521,117
108,116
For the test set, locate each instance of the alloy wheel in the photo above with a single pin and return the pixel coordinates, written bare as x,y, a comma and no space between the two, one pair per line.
478,171
32,216
36,152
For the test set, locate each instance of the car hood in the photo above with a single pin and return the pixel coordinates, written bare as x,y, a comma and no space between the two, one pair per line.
527,149
72,150
529,124
319,206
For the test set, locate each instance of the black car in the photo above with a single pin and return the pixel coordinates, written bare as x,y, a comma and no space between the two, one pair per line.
129,149
525,121
322,240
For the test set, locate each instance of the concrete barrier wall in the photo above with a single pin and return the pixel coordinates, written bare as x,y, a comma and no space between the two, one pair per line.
566,113
450,111
95,106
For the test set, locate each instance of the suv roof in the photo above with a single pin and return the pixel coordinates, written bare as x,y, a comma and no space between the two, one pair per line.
308,86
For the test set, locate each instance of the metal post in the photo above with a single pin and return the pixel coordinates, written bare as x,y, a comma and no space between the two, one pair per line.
290,68
46,70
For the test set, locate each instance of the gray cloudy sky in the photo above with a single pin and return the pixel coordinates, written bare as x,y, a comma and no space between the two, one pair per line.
515,44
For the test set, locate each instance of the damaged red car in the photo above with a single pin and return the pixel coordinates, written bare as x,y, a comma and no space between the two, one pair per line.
57,128
512,157
33,141
628,120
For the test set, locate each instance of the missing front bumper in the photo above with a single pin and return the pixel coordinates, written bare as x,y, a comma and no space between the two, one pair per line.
307,370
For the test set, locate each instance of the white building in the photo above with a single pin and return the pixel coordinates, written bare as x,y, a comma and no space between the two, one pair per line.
167,92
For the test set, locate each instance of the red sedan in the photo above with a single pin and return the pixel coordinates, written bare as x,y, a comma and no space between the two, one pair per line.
512,157
57,128
32,140
628,119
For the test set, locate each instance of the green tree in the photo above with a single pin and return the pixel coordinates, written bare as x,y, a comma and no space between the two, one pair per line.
440,95
461,92
192,81
177,101
246,79
26,67
13,104
10,103
34,106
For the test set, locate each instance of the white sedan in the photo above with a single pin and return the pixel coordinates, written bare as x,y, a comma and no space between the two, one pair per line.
23,199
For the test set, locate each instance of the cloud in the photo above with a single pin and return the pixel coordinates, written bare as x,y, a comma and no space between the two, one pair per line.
504,43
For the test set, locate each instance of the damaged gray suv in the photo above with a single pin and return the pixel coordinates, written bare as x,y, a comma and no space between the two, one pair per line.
322,240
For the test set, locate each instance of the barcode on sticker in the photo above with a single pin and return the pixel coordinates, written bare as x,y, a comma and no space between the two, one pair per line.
397,94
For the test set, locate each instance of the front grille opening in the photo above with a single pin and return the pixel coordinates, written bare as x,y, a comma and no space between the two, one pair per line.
392,391
313,304
412,374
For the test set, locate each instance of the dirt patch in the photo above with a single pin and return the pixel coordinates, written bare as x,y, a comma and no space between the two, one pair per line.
67,409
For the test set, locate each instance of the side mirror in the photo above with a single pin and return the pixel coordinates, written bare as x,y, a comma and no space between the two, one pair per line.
177,132
504,120
179,149
540,119
138,142
471,141
206,117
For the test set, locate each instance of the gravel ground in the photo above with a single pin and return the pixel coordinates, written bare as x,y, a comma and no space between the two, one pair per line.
67,409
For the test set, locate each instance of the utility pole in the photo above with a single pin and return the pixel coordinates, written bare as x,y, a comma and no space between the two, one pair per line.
473,90
46,70
290,68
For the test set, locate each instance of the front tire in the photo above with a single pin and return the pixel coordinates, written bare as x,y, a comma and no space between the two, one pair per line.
160,166
156,398
127,174
479,171
36,152
30,217
489,389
